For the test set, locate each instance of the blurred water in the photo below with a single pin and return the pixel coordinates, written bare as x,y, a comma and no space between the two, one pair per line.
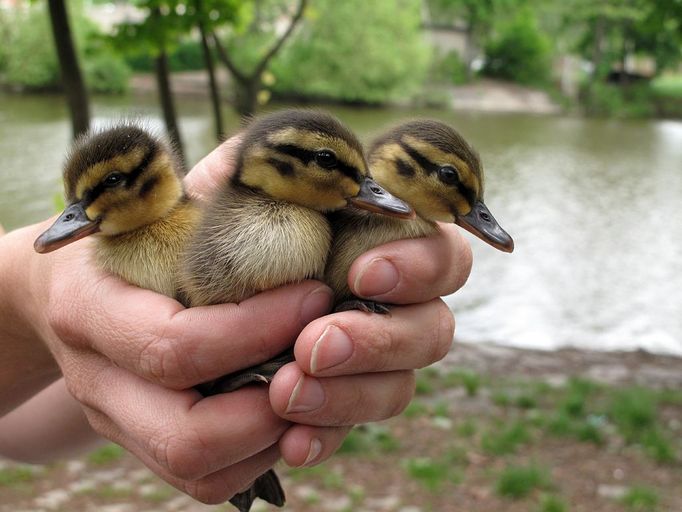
592,206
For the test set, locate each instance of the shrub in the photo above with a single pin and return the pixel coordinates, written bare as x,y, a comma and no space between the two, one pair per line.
520,52
389,57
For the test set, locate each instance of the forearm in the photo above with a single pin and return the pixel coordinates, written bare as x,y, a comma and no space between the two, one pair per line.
49,426
26,366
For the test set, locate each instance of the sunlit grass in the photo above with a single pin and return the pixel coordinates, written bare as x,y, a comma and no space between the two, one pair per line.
106,455
519,481
641,499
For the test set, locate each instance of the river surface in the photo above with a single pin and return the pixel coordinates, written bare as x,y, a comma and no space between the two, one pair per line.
594,207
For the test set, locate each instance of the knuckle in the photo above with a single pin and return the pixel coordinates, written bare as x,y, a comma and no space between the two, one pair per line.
181,455
63,323
161,359
403,396
444,334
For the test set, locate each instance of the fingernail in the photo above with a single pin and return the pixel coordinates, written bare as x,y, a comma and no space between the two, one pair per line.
378,277
316,304
314,451
307,396
333,347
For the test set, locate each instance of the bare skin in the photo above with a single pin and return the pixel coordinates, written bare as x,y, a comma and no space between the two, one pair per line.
129,357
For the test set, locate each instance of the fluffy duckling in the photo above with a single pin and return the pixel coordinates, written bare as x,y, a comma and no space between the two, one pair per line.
267,227
431,167
125,185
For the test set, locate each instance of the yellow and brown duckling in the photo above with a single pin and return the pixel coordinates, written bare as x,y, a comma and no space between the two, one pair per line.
267,227
431,167
125,185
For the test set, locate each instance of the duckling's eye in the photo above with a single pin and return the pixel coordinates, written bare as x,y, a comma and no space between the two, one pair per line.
326,159
113,179
448,175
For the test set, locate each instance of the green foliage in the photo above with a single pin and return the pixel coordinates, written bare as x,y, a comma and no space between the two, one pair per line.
518,481
432,473
15,475
520,52
633,410
355,51
106,455
505,440
641,499
550,503
369,438
30,61
448,68
186,56
30,58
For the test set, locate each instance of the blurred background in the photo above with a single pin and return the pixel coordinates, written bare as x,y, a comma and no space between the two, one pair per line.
575,108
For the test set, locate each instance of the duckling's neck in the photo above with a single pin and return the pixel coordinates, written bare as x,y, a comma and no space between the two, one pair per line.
148,256
249,242
356,232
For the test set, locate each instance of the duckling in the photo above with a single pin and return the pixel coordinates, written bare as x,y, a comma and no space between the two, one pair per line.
125,185
267,227
431,167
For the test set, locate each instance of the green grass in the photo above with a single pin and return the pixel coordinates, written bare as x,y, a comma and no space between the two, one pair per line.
641,499
668,85
504,440
633,411
519,481
370,438
550,503
106,455
15,476
658,446
431,473
467,428
415,408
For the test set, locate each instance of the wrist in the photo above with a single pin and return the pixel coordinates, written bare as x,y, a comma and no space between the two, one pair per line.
27,365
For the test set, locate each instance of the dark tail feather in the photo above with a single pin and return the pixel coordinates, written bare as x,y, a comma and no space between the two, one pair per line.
266,486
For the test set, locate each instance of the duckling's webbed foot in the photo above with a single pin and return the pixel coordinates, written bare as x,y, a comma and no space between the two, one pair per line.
368,306
259,374
266,487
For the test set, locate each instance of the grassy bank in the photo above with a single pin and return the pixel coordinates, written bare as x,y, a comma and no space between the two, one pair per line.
477,436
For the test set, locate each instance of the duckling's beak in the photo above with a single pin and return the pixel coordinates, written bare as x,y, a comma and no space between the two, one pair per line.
481,223
73,224
374,198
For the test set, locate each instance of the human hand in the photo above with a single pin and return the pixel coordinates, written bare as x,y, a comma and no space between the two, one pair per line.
131,356
352,367
368,376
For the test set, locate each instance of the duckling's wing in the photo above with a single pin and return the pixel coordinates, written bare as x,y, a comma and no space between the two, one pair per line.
266,487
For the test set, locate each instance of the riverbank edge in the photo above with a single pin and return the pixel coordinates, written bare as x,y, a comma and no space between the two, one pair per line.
557,366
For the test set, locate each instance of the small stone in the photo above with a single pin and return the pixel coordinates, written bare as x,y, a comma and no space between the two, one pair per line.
74,467
618,474
141,474
410,509
386,503
442,423
108,476
613,492
53,499
81,486
337,503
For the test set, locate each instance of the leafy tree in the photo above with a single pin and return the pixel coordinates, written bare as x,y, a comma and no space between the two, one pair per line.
519,52
249,83
72,78
355,51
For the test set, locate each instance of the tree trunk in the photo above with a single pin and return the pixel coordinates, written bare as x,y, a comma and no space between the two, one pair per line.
212,82
167,106
246,97
72,78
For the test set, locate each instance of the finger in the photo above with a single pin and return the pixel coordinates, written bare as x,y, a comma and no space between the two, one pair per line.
353,342
304,445
339,401
416,270
173,346
188,436
215,488
213,170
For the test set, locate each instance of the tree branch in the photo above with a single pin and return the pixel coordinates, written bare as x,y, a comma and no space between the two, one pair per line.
225,59
278,44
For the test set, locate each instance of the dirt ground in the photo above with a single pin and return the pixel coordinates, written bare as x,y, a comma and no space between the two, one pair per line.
490,429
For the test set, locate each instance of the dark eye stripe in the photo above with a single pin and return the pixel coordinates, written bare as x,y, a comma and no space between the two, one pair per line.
91,195
404,168
284,168
307,155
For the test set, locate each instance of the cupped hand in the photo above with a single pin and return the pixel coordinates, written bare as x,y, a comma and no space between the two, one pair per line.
355,367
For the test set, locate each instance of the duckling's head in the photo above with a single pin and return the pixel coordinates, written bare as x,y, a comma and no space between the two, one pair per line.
309,158
432,167
116,180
